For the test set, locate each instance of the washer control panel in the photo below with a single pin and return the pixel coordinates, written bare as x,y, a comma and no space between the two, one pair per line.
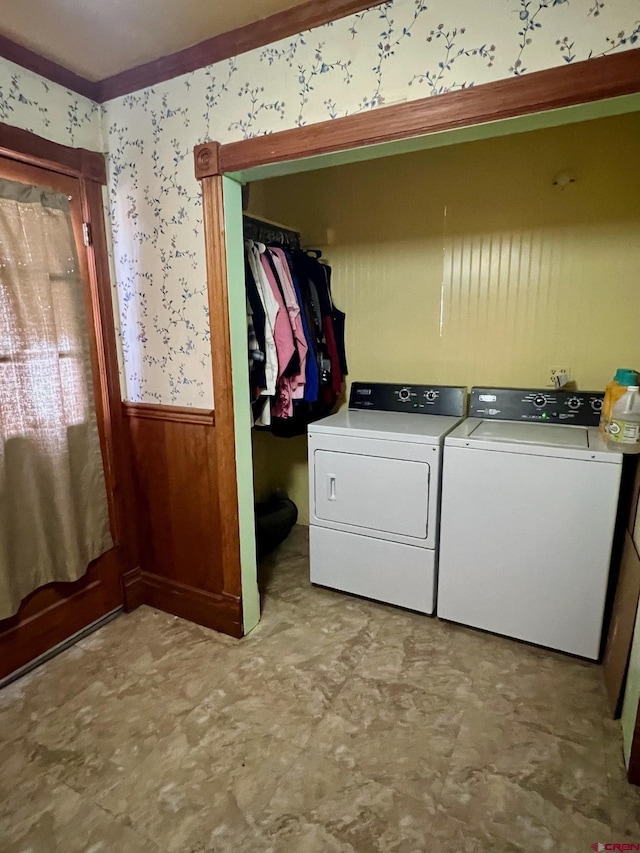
418,399
581,408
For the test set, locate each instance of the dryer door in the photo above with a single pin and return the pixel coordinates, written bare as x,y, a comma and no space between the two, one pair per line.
376,486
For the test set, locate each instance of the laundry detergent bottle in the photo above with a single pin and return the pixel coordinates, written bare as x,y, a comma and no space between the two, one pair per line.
624,428
613,392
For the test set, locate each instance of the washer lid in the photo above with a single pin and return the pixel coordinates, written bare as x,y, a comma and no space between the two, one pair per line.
533,439
546,435
392,426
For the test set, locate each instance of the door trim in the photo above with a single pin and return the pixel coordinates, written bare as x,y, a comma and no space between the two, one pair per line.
27,147
216,264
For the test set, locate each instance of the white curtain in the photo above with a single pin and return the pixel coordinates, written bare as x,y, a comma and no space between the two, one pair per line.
54,516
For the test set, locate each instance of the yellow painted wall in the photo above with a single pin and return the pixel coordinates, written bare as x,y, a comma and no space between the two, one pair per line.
465,265
280,464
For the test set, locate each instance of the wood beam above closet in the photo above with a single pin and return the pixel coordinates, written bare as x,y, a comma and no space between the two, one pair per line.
554,88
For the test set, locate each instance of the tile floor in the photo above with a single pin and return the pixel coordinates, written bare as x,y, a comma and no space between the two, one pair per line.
338,725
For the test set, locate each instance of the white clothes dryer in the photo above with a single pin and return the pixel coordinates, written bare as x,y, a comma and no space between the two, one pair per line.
374,491
529,501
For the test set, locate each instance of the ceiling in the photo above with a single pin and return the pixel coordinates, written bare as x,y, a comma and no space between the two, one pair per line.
99,39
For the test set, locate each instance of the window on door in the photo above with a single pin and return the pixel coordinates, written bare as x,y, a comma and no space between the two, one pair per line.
42,326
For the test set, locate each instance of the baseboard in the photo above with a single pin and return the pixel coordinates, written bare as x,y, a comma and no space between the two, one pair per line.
133,589
218,611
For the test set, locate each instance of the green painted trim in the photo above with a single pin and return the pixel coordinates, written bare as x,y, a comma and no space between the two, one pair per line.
631,693
504,127
232,195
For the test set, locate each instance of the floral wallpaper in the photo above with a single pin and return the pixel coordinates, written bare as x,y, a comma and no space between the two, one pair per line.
401,50
33,103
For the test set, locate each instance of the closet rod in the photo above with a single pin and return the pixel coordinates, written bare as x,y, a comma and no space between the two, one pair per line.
256,228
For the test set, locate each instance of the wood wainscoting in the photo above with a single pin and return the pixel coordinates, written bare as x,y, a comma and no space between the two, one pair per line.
176,484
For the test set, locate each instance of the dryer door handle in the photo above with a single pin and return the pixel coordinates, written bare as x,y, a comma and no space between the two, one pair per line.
331,487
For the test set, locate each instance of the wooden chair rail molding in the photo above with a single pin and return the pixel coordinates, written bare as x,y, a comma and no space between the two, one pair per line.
584,82
176,414
280,25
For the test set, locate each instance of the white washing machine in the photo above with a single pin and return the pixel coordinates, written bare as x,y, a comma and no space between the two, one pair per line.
529,500
374,490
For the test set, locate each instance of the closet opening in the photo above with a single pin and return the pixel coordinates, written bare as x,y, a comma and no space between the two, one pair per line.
464,264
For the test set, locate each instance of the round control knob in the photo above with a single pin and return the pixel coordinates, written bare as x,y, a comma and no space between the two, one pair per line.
430,396
539,401
596,404
573,403
404,394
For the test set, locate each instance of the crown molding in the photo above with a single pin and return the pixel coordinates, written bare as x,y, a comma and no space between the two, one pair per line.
47,68
289,22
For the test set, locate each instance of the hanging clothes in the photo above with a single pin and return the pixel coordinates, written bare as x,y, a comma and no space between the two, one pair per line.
298,380
297,360
270,310
312,375
256,333
288,361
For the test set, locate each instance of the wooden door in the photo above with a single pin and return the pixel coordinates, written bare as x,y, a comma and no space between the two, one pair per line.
57,611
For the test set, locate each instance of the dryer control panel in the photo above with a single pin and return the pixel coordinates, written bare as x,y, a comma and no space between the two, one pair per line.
580,408
418,399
